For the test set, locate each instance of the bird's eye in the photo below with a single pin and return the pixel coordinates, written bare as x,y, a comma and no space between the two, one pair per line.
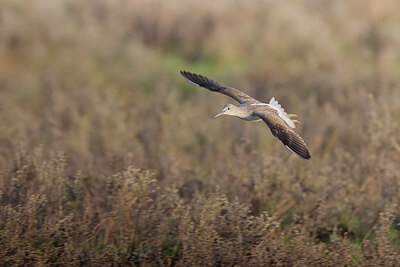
229,108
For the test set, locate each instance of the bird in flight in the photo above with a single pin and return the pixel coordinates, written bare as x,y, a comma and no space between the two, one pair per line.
250,109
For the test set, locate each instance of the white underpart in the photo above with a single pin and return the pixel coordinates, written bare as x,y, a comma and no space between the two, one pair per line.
281,111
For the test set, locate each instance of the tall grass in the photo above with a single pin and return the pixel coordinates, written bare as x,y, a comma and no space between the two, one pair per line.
108,156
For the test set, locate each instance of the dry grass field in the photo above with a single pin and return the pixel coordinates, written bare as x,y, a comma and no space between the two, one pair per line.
109,157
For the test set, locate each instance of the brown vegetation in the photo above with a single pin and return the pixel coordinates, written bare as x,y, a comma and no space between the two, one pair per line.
108,156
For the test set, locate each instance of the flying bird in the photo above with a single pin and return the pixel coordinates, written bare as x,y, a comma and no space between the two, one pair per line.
250,109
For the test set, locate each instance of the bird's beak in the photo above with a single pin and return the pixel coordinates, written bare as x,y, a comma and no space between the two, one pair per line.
219,114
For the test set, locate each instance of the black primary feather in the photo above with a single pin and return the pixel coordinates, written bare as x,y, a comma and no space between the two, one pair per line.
202,81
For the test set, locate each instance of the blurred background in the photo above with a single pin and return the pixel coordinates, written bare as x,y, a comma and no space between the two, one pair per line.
98,127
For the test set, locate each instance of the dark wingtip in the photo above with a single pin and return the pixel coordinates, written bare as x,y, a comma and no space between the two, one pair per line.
305,154
302,151
202,81
191,77
298,146
187,74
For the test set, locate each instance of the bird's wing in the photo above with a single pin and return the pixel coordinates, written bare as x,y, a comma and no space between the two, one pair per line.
285,134
211,85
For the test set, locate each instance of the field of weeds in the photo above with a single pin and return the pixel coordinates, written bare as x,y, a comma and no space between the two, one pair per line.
109,157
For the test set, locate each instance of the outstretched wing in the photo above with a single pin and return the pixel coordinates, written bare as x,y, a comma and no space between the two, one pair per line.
285,134
211,85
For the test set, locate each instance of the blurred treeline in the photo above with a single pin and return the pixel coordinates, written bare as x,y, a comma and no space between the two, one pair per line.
108,156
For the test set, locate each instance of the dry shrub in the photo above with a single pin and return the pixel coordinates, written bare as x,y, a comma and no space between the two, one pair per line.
62,219
108,156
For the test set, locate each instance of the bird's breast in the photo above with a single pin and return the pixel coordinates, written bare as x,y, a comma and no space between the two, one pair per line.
250,118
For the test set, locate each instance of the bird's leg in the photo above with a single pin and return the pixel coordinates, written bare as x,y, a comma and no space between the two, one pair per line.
293,116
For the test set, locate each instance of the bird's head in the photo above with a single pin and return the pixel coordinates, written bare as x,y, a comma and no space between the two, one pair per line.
228,109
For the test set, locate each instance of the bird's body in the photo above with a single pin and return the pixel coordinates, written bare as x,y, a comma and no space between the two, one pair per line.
250,109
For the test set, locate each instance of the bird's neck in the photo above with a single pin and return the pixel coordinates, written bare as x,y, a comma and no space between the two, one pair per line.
241,112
